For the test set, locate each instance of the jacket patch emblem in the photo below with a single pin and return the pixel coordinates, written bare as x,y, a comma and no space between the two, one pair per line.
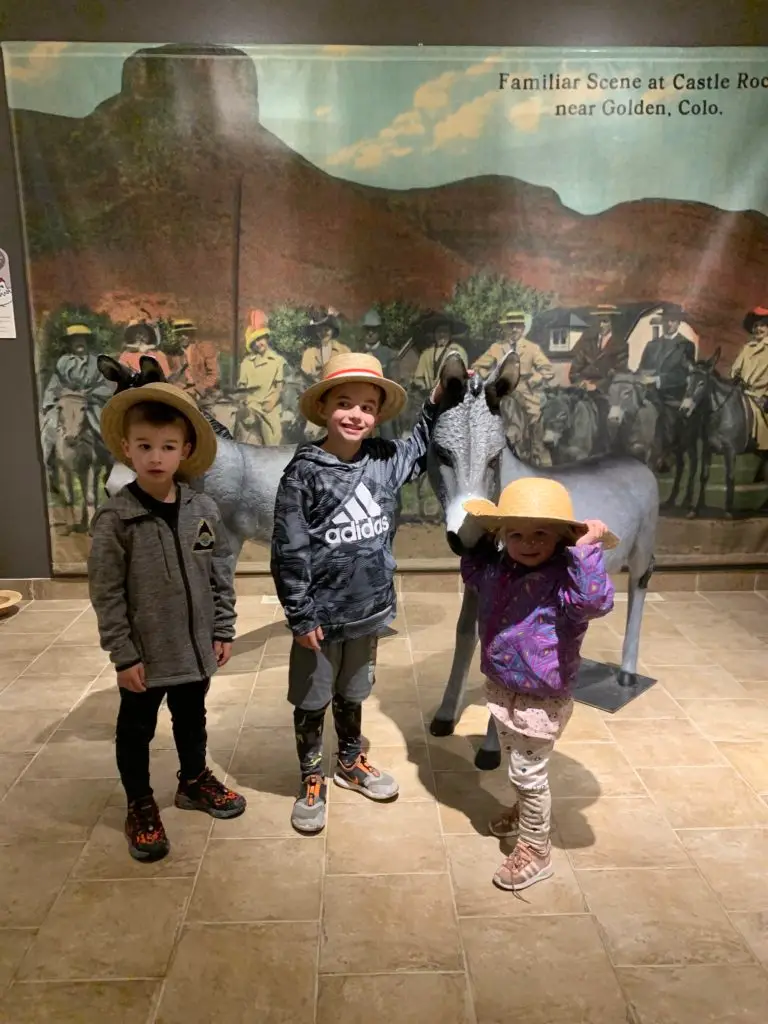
205,538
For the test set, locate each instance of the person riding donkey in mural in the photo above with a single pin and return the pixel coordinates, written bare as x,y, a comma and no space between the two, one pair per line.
324,333
536,372
443,330
140,339
162,587
540,578
750,371
599,353
199,370
667,360
260,387
76,372
333,567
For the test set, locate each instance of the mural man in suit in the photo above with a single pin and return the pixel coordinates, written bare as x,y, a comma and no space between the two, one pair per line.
600,352
750,369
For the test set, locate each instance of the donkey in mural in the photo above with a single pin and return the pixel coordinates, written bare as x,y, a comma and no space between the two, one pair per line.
81,454
470,458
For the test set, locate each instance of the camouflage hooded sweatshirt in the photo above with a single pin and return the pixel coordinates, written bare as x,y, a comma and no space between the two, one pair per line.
162,594
332,557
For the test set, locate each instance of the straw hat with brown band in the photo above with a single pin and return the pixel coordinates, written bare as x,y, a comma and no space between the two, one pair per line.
345,368
532,501
204,448
9,599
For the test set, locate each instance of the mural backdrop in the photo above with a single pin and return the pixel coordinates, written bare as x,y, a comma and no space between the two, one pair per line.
242,214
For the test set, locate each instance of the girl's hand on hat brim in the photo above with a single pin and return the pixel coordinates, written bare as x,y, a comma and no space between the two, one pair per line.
596,531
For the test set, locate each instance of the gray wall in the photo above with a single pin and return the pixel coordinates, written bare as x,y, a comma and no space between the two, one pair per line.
24,541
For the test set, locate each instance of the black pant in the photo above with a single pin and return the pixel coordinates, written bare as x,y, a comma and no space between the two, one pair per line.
308,726
136,723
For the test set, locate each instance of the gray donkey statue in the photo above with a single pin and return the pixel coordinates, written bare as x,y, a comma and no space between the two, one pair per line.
469,458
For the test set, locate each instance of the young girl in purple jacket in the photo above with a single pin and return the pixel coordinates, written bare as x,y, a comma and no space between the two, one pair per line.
540,578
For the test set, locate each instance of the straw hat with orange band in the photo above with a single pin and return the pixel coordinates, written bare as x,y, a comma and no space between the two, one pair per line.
343,369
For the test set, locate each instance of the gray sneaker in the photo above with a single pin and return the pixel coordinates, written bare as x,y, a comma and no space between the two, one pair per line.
308,814
366,779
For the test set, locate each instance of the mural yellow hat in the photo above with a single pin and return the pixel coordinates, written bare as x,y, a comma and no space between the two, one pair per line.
183,326
78,331
360,368
254,333
532,500
513,316
112,418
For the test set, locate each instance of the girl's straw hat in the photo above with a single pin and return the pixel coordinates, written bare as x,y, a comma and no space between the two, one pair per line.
344,368
532,500
112,433
8,599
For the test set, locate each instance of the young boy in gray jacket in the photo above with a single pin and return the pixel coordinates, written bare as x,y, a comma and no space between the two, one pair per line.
164,598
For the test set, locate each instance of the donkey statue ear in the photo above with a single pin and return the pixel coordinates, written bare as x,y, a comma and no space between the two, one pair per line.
453,378
115,372
151,371
503,382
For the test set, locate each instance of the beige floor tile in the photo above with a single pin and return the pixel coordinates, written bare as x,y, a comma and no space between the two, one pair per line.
704,798
119,1002
474,861
89,754
98,707
264,752
11,668
268,709
33,693
242,974
400,998
728,719
430,696
273,672
729,601
663,742
16,646
657,916
230,689
750,760
453,753
714,994
400,923
11,767
567,979
754,927
661,651
61,661
467,801
589,770
617,832
587,725
247,880
700,683
116,929
752,665
106,856
727,636
270,800
392,723
435,614
654,703
82,633
26,731
246,658
32,877
397,838
33,621
53,811
395,653
734,862
14,943
434,669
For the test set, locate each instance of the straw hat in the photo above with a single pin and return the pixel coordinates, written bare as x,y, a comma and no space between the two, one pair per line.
533,499
204,450
358,367
513,316
183,326
605,310
78,331
8,599
254,333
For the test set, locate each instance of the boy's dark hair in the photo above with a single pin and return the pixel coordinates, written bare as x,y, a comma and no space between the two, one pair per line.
158,414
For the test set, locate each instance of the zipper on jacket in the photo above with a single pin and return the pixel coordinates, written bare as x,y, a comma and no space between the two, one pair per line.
188,592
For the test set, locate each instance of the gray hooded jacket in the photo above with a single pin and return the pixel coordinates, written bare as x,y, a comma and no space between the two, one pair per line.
162,596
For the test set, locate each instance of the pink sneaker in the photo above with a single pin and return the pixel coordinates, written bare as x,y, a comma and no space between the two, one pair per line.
524,867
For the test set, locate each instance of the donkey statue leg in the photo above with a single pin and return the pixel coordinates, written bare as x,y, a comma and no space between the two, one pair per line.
447,714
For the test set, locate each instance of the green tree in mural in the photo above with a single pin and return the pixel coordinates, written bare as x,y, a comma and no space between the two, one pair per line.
397,320
52,337
482,299
288,325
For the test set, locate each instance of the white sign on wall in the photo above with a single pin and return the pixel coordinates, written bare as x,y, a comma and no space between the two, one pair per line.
7,319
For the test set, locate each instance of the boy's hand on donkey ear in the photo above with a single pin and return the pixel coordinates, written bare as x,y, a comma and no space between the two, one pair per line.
596,530
132,679
311,640
223,651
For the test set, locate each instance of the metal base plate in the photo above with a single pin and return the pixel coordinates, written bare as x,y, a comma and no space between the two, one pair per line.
598,686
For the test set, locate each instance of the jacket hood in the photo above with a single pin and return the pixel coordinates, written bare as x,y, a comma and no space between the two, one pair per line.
313,453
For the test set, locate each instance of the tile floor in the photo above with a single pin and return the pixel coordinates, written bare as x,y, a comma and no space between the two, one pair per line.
658,913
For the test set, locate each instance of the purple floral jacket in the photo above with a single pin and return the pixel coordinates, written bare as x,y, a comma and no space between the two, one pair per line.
533,621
